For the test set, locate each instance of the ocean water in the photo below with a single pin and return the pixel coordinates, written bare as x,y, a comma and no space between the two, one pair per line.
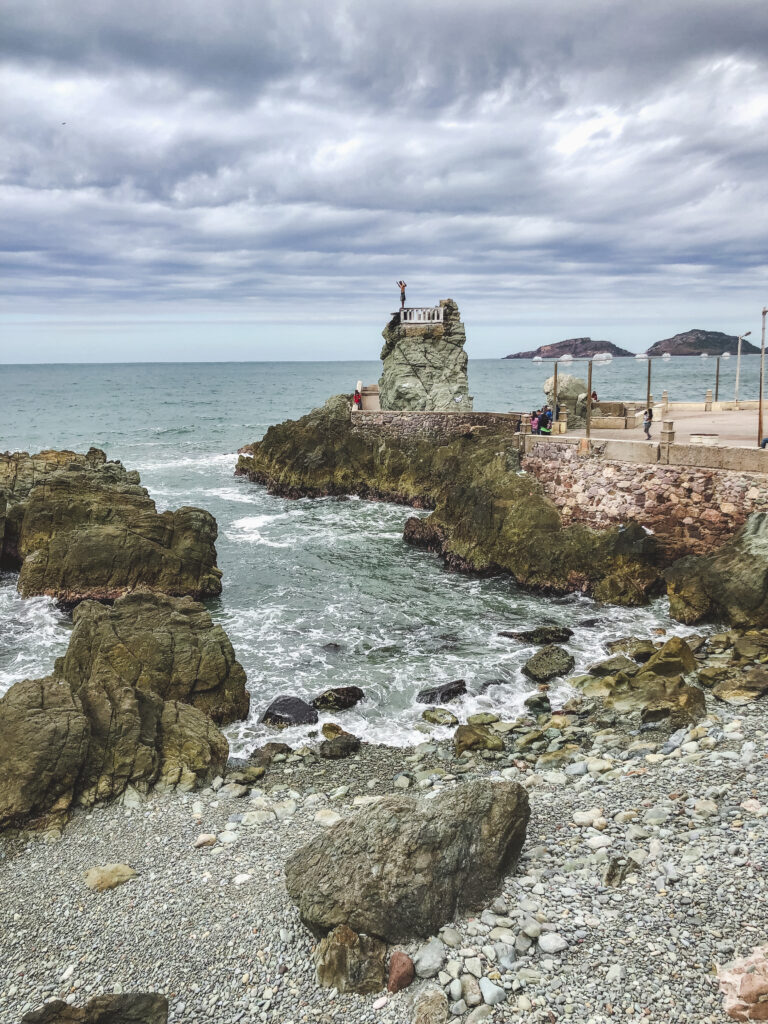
300,575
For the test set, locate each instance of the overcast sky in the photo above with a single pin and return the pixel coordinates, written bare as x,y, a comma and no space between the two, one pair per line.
244,179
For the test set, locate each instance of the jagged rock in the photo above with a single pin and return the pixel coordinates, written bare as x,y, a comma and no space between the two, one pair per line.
343,745
439,716
262,756
538,704
654,697
635,648
674,658
610,666
571,397
80,527
425,364
338,698
405,866
169,646
730,585
476,737
548,663
350,962
127,1008
443,693
44,738
744,984
742,688
286,710
487,517
541,635
108,876
192,750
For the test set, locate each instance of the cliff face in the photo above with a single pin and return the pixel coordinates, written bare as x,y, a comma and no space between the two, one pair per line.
579,348
425,365
693,343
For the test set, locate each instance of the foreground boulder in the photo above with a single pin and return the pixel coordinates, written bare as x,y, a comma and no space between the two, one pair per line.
405,866
80,527
169,646
127,1008
730,586
744,984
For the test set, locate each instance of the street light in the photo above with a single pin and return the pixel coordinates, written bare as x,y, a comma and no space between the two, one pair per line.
738,366
762,369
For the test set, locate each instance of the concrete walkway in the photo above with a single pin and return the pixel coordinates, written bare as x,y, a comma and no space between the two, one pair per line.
734,428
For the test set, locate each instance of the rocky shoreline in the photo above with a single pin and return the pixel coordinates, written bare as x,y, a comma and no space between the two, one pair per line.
598,858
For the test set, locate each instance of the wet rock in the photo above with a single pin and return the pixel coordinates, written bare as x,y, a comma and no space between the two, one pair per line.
338,698
541,635
169,646
635,648
405,866
538,704
343,745
548,663
350,962
442,694
439,716
285,711
401,972
476,737
126,1008
611,666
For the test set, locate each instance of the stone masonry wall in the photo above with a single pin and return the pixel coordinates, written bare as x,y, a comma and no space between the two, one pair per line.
439,427
692,510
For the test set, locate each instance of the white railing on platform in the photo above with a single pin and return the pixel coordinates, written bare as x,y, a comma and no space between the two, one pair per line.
421,314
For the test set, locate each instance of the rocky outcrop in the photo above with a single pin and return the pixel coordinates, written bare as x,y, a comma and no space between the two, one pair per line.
488,517
694,342
125,707
77,526
730,585
405,866
169,646
126,1008
571,397
579,348
424,364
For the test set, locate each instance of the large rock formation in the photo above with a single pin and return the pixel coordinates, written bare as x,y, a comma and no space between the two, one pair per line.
695,341
405,865
730,585
488,517
571,397
579,348
169,646
425,365
128,705
127,1008
77,526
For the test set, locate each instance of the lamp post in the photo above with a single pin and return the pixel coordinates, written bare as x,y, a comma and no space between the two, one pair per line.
762,369
648,385
738,365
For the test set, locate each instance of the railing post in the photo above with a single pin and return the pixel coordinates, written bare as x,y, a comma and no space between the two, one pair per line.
667,432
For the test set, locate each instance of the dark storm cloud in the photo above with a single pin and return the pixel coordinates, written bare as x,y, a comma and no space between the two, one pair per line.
283,156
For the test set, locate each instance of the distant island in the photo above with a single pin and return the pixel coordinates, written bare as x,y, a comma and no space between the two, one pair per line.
695,342
579,348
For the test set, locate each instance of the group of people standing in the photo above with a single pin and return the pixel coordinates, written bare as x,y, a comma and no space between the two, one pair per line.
541,421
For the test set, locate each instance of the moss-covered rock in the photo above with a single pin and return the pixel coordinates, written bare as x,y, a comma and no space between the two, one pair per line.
548,663
488,516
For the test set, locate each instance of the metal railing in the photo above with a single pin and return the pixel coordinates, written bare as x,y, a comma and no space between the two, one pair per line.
421,314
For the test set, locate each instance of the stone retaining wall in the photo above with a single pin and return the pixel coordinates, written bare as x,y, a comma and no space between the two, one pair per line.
691,509
432,426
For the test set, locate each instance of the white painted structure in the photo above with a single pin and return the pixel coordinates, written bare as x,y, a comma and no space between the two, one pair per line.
420,314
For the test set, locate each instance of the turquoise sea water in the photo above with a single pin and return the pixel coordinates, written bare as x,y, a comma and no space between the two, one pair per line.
301,574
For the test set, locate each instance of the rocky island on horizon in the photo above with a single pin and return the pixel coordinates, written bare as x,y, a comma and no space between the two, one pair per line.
696,342
579,348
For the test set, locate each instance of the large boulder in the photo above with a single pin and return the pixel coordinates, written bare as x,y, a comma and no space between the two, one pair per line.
192,750
44,738
425,364
163,645
571,397
548,663
126,1008
405,866
730,585
80,527
285,711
